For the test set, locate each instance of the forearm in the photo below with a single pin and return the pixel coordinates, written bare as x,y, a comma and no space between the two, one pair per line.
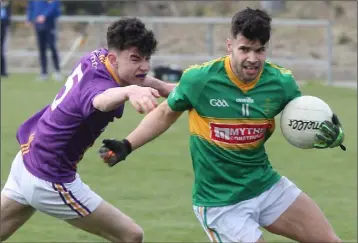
111,99
164,88
153,125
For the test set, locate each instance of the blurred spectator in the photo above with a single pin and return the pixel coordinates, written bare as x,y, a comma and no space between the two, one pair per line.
5,22
43,14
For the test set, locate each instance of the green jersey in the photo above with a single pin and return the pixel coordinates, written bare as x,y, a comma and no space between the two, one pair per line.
229,123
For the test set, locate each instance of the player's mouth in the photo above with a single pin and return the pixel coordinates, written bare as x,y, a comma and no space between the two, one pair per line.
141,76
251,70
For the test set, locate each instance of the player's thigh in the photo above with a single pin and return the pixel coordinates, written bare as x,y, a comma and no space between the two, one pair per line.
77,204
234,223
13,216
296,216
15,209
110,223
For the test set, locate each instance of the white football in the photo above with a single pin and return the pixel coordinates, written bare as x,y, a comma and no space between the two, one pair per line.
301,118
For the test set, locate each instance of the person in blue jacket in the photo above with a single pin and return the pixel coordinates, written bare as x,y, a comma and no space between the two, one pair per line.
43,15
5,22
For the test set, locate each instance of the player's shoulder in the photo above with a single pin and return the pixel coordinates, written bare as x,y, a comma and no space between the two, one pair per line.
93,66
198,75
278,72
93,61
281,75
206,68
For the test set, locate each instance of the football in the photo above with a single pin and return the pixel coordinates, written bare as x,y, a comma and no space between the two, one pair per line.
301,119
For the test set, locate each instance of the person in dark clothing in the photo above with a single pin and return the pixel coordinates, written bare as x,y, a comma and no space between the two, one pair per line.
5,22
43,14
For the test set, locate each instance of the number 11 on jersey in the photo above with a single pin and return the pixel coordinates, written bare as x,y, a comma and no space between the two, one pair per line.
245,110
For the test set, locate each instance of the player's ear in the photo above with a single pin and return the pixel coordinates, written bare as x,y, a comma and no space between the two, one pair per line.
229,45
112,58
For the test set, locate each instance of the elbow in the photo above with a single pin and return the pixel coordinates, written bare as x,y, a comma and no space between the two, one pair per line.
167,113
101,104
101,107
110,99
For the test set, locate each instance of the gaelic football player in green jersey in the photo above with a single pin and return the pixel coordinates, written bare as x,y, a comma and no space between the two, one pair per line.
232,102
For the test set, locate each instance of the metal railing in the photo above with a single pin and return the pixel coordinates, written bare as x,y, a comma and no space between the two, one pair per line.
210,22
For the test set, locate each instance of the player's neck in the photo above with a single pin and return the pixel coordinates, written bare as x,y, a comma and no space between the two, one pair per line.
111,69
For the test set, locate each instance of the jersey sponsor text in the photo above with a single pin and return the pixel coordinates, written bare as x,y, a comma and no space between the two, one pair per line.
238,133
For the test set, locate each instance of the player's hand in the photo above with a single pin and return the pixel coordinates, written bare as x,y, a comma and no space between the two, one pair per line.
113,151
41,19
144,99
330,134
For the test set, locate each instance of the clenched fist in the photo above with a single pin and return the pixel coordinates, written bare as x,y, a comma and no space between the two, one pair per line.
144,99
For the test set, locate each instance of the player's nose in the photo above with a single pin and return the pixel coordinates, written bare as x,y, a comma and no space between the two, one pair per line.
251,57
145,66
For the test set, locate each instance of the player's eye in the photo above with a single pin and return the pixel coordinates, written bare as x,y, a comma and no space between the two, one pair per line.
244,49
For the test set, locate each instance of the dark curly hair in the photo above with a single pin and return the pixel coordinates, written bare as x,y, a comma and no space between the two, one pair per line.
131,32
253,24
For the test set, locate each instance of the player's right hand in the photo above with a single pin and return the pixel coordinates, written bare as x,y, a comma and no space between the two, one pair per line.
144,99
113,151
330,134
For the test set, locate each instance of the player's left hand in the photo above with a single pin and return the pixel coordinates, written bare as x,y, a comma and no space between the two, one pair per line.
330,134
113,151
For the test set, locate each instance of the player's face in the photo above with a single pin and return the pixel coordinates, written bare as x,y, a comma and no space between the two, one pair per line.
247,57
131,67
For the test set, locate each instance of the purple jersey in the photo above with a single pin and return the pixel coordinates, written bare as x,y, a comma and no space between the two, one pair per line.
54,140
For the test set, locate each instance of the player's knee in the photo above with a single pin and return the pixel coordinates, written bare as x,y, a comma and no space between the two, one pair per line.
134,234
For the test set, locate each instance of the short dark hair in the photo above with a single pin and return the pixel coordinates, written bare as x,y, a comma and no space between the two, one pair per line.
253,24
131,32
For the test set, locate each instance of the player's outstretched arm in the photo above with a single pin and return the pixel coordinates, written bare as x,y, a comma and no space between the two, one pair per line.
153,125
142,98
164,88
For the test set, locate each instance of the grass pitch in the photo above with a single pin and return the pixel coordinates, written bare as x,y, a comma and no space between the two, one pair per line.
153,186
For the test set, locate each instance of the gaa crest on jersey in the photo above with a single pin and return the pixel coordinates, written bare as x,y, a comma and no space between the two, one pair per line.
238,133
267,106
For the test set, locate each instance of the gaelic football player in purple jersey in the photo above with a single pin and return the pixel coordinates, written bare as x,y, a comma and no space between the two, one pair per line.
43,175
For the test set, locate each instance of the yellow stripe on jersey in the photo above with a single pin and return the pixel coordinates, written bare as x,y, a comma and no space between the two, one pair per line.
204,64
25,148
282,70
230,133
242,85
